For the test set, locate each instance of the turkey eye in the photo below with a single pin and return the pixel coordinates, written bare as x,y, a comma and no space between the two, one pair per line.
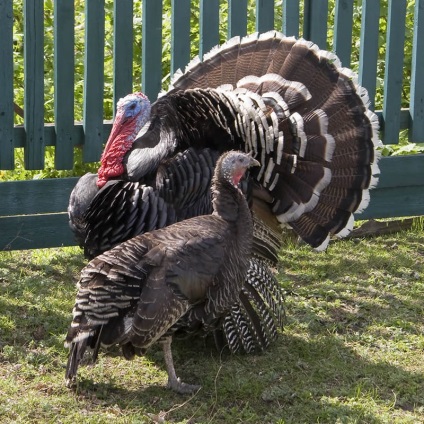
132,107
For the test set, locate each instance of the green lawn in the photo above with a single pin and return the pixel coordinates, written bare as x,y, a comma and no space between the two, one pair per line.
352,350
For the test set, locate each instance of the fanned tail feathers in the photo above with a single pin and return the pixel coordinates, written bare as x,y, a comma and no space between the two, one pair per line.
310,127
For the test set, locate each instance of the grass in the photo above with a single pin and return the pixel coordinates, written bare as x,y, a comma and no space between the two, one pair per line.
351,352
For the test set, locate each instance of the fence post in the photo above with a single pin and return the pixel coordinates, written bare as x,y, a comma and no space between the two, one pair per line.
394,69
416,133
6,84
122,49
64,60
93,79
34,84
151,80
208,25
315,22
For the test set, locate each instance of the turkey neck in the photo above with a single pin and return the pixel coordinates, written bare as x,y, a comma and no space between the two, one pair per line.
230,204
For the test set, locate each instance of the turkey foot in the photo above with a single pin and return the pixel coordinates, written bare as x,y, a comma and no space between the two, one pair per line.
174,383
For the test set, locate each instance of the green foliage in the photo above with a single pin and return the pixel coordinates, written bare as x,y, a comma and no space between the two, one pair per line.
79,167
404,147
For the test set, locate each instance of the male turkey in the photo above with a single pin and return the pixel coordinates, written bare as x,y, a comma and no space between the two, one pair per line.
136,294
304,117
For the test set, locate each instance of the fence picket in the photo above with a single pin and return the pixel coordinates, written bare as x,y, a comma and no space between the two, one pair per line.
64,83
122,49
394,69
416,132
208,25
151,79
93,79
291,17
343,30
237,18
6,84
368,51
315,22
264,15
180,34
34,83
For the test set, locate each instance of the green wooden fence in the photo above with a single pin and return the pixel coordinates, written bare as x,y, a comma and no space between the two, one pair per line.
33,213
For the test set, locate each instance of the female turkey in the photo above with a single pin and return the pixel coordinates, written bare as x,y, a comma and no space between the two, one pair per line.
304,116
135,294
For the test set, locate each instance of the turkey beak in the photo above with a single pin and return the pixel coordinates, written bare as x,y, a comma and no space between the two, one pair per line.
254,162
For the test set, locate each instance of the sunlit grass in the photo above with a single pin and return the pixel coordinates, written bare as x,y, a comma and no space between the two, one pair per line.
351,351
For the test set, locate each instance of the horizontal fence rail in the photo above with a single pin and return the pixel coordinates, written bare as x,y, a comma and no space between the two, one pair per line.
107,49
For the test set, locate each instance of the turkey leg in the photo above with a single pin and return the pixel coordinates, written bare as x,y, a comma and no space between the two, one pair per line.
174,382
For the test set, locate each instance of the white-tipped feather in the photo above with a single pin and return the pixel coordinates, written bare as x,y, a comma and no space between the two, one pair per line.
321,118
309,44
331,57
297,120
79,337
211,53
294,165
284,218
268,35
300,88
364,202
363,94
175,77
274,182
247,80
280,101
225,87
375,170
373,182
323,246
349,74
268,172
250,38
128,323
294,213
280,147
229,44
373,118
329,148
347,229
190,66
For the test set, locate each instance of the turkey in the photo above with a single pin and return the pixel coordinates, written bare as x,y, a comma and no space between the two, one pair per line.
303,116
259,312
135,294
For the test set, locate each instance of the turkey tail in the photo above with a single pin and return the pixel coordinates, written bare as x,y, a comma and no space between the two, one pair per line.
76,353
263,282
310,127
266,240
256,54
81,336
253,323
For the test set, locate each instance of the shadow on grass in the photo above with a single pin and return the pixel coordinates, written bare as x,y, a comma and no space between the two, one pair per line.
315,372
297,380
